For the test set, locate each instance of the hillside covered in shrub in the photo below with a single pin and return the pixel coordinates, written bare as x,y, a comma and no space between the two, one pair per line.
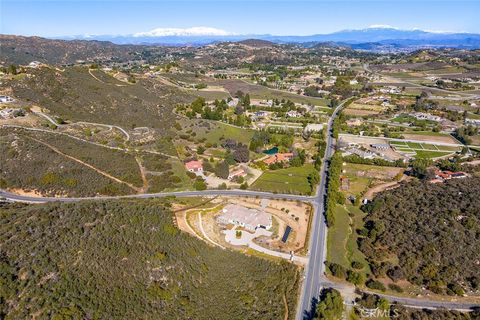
126,260
432,230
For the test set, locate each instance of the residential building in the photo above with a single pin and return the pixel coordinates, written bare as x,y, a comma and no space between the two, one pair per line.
233,103
380,146
475,122
441,176
279,157
293,114
240,172
5,99
194,166
247,218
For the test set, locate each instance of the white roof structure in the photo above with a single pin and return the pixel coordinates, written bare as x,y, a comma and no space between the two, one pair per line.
249,218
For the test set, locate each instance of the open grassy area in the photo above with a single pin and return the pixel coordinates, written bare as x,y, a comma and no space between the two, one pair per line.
289,180
430,154
338,236
214,131
342,245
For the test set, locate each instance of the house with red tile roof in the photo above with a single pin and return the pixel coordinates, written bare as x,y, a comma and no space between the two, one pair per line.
279,157
194,166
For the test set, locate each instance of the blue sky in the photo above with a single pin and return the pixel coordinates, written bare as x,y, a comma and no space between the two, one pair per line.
70,17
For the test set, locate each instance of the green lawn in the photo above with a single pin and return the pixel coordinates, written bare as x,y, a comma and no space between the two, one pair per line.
414,145
289,180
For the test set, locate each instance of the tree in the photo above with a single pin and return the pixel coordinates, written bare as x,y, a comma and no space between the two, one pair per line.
199,184
376,285
12,69
241,153
200,149
355,277
259,140
222,170
244,186
330,306
207,166
246,100
419,168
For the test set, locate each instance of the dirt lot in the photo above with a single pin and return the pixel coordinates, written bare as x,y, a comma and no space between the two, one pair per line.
358,112
430,138
292,213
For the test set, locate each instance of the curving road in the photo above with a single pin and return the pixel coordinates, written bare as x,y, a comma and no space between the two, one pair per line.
180,194
314,272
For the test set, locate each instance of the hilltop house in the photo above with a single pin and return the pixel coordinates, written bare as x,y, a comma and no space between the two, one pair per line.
194,166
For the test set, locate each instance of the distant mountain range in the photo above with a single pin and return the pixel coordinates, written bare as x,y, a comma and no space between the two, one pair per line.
368,39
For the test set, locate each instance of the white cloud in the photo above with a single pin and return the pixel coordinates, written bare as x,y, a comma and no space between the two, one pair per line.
194,31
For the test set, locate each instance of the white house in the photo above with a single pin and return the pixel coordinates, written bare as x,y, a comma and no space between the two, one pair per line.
6,99
293,114
250,219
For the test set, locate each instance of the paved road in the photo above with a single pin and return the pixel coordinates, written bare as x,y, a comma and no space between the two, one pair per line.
425,303
318,239
181,194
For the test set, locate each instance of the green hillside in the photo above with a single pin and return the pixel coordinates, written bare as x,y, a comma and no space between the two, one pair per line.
126,260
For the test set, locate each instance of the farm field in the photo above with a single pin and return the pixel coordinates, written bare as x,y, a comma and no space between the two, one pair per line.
289,180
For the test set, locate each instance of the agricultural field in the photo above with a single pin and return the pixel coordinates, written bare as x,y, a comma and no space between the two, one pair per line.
290,180
430,137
